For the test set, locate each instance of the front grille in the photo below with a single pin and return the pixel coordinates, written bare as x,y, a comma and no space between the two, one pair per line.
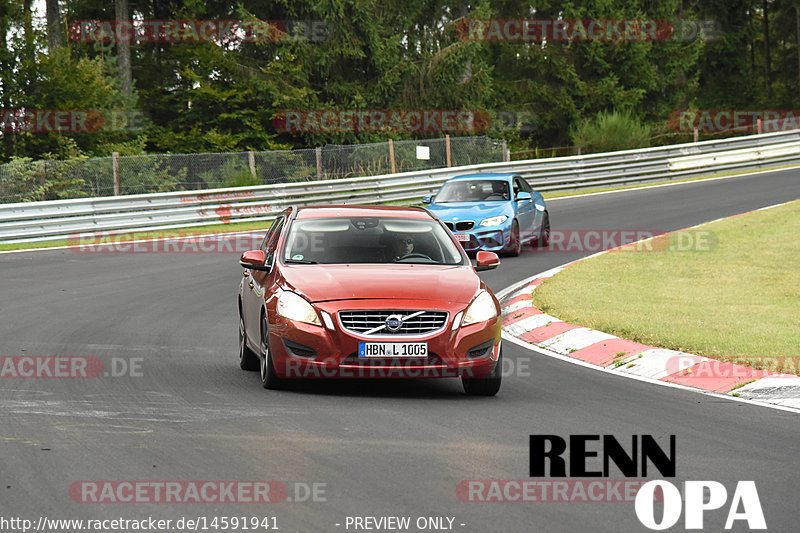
464,225
423,322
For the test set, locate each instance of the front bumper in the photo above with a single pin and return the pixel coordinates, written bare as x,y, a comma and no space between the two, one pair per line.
301,350
489,239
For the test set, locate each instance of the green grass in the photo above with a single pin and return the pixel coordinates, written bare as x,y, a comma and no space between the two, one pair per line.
140,235
739,300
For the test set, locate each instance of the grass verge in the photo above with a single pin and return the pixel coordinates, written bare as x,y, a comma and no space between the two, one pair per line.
735,298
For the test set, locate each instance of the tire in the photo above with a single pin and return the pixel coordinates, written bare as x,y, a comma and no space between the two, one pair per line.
269,379
248,359
515,246
544,232
488,385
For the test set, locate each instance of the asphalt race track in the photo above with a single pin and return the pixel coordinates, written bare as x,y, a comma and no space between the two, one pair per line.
381,448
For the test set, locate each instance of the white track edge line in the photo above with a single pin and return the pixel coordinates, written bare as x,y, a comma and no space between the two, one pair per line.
543,351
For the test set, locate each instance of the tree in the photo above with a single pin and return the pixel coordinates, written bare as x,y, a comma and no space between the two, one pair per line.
124,49
54,34
725,66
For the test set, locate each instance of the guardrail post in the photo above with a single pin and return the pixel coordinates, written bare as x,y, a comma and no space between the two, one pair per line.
447,150
759,126
115,166
251,158
391,156
318,151
506,153
695,134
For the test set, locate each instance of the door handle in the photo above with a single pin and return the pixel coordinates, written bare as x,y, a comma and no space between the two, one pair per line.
246,273
251,285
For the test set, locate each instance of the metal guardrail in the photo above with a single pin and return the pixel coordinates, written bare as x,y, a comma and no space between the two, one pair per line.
53,220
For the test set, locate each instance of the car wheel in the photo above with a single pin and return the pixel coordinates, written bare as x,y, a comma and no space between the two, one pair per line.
269,379
248,359
488,385
515,246
544,232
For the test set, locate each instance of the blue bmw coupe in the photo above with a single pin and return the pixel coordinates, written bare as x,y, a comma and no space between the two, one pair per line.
492,212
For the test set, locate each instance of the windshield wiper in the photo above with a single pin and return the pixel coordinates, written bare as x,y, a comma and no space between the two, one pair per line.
300,261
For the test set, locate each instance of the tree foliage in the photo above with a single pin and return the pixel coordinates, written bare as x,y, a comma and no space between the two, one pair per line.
610,131
214,96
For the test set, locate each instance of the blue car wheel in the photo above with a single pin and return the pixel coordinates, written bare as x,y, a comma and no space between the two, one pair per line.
514,244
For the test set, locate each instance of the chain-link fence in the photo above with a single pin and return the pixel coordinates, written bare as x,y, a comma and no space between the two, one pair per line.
51,180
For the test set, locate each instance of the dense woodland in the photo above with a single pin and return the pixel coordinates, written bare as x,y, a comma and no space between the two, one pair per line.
220,96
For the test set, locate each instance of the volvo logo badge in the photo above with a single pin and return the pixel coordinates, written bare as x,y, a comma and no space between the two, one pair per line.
394,323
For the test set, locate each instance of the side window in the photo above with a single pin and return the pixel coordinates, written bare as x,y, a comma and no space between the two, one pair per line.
517,187
271,239
525,186
273,229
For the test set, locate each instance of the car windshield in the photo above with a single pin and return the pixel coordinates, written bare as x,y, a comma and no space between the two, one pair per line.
370,240
477,190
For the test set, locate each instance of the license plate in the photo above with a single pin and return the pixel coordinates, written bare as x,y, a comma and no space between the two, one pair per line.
393,349
462,237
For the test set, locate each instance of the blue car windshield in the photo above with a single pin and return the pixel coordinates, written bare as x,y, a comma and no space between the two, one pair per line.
477,190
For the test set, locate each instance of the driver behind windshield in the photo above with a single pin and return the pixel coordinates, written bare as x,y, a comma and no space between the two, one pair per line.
402,245
500,189
462,193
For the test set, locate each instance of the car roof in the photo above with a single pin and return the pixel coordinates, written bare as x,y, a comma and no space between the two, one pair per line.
497,176
319,211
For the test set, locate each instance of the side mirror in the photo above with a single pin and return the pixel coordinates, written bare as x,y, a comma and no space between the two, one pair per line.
522,195
254,260
427,199
486,261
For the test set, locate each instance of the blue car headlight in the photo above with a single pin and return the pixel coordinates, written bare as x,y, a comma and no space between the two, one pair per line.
493,221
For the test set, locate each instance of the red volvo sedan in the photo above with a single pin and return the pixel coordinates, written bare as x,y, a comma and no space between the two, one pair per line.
367,292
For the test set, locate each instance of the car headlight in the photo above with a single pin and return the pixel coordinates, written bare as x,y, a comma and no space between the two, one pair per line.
481,309
294,307
493,221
